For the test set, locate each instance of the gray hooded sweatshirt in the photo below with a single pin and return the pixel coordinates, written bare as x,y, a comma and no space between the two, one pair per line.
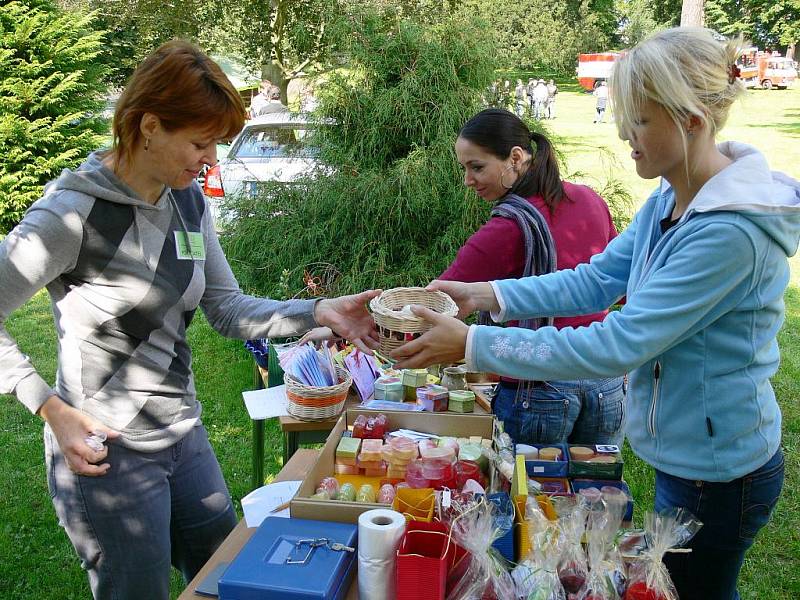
125,278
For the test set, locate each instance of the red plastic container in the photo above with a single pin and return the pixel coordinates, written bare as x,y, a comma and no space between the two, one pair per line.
468,469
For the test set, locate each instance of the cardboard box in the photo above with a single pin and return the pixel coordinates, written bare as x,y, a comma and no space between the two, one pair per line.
605,463
548,468
455,425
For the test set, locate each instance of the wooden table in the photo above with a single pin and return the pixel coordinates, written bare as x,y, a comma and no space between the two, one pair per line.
297,467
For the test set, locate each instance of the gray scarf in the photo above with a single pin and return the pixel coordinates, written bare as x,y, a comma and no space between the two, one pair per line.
540,250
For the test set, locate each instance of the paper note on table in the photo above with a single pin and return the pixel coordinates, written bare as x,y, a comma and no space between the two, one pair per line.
259,503
264,404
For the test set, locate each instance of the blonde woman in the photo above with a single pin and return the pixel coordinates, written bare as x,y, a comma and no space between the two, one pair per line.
704,267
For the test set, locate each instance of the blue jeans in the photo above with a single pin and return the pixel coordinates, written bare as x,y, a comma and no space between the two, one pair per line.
732,514
149,511
584,411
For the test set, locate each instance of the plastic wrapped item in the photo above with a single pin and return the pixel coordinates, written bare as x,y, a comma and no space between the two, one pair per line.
347,492
486,574
536,577
330,486
467,469
573,570
386,494
648,577
366,493
370,427
321,495
607,578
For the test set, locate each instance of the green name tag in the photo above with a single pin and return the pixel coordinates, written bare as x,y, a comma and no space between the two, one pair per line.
189,246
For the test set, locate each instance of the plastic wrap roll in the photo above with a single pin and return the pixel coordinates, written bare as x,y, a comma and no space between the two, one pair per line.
379,533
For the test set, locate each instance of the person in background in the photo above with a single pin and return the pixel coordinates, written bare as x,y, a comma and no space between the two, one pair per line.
601,100
274,104
127,250
261,99
531,95
519,98
552,91
538,224
540,99
704,268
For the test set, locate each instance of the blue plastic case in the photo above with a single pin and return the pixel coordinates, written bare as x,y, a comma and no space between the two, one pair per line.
260,572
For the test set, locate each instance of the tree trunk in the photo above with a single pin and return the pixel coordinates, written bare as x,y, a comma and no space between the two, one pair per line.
790,52
692,13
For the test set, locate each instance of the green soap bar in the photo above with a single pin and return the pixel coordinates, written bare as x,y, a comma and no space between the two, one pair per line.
469,452
348,447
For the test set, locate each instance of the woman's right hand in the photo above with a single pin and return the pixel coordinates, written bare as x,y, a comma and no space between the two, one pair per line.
71,428
468,296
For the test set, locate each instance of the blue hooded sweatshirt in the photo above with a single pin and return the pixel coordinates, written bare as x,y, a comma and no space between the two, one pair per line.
697,334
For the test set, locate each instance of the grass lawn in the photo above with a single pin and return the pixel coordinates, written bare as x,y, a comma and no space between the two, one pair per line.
37,561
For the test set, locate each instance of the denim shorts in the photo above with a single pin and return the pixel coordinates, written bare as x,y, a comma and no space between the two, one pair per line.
732,513
583,411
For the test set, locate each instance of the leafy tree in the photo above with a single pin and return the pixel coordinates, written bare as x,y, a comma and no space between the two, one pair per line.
284,39
768,25
637,21
394,210
51,85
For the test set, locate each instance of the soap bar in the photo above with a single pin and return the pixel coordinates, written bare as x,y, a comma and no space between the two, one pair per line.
348,447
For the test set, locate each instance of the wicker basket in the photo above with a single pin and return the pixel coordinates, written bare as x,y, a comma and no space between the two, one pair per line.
317,403
395,328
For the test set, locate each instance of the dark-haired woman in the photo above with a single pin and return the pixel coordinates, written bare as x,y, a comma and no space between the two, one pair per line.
128,252
538,224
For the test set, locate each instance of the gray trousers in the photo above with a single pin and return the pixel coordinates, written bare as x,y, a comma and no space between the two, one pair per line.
150,511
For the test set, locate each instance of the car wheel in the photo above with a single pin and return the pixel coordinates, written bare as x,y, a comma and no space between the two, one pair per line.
766,84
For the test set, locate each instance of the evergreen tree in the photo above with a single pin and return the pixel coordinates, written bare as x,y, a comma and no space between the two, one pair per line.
50,95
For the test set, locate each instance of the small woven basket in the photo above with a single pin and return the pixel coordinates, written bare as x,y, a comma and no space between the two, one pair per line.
317,403
396,327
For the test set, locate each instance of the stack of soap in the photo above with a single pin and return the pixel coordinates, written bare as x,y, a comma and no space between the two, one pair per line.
462,401
389,388
413,379
370,459
346,453
398,453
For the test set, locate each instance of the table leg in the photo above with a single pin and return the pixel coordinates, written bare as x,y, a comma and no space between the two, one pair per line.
291,442
258,453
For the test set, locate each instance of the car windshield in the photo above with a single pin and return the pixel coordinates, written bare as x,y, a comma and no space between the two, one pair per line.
274,142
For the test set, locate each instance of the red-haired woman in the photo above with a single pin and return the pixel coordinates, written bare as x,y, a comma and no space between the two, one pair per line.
127,251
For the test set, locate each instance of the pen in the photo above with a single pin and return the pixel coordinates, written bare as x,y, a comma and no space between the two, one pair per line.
280,507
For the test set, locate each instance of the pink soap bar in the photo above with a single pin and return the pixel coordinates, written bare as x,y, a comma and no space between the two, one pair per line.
341,469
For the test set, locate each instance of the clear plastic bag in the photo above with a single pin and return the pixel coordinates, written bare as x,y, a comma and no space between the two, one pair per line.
485,576
607,573
573,569
536,577
648,577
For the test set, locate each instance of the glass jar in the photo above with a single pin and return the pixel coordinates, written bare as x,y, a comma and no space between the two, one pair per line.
454,378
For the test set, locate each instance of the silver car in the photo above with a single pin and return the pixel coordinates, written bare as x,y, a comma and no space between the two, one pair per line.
270,148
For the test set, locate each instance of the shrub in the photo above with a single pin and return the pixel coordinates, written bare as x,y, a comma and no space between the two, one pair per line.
395,210
50,93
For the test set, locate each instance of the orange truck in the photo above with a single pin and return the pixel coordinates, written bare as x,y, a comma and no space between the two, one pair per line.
595,67
766,70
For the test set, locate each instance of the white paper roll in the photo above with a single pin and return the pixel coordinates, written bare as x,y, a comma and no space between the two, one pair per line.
379,533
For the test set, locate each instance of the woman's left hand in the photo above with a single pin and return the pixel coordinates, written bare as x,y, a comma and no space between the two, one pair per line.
445,342
349,318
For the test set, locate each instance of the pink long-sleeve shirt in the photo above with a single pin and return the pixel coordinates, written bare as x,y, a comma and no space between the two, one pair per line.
581,227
